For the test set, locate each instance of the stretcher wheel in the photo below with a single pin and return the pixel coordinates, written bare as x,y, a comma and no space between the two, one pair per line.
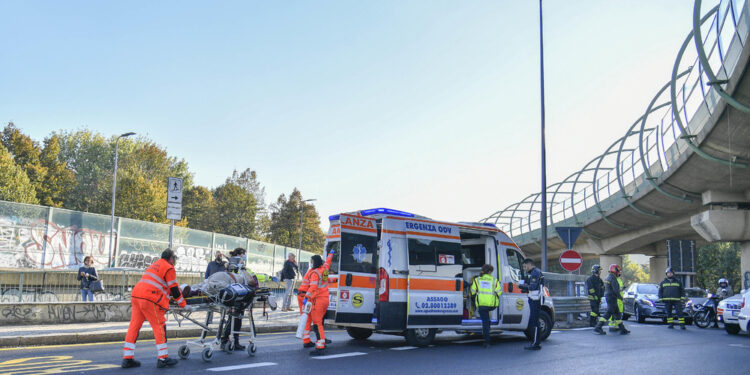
251,349
229,347
183,352
207,355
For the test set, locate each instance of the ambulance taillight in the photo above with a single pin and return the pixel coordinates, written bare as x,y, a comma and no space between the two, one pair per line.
384,289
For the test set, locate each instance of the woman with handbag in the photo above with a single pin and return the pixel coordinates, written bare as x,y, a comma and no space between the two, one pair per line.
87,275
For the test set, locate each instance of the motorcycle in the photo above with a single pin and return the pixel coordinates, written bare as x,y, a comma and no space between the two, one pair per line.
705,314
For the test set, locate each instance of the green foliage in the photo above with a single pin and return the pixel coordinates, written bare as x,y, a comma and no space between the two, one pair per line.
285,228
14,183
717,260
236,210
633,272
89,156
199,208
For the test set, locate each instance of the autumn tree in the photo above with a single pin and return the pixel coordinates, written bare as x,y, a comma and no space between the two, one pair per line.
89,156
199,208
633,272
285,228
717,260
14,183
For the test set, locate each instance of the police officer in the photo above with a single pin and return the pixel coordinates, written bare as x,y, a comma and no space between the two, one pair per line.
486,291
534,288
595,288
672,293
613,295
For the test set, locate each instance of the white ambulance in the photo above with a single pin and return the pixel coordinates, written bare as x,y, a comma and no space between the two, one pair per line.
399,273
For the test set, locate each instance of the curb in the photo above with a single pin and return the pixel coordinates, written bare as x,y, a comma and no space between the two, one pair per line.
88,338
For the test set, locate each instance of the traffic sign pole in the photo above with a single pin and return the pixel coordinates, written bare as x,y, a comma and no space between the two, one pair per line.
174,205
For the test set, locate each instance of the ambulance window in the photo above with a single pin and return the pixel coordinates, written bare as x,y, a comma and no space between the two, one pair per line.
514,261
434,253
358,253
336,245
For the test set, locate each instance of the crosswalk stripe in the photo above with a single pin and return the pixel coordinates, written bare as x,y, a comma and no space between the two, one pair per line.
238,367
342,355
404,348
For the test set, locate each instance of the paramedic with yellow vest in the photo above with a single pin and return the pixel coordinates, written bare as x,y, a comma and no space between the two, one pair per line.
486,291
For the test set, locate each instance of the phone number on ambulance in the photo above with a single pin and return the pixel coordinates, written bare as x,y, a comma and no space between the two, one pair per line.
438,305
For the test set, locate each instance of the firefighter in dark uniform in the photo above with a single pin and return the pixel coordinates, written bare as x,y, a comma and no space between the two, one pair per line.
534,286
595,288
672,293
612,294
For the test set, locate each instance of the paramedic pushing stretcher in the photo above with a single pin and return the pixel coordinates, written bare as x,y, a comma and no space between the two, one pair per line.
150,301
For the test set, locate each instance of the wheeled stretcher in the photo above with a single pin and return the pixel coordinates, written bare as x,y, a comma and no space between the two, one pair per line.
227,304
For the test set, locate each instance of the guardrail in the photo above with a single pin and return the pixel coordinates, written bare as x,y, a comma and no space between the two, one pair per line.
656,142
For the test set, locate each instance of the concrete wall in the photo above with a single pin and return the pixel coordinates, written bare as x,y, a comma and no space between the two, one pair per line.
605,261
657,267
64,312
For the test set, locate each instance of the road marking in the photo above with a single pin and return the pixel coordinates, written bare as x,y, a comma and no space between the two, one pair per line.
55,364
580,329
554,332
404,348
467,341
238,367
740,346
342,355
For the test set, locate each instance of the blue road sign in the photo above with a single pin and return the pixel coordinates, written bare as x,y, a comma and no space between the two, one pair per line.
569,235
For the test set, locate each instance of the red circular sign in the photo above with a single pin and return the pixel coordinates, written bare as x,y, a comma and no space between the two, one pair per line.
570,260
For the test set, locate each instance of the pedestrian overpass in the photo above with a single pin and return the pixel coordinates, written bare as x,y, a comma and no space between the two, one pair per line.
681,169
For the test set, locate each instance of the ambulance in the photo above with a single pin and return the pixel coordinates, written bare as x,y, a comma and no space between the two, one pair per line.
395,272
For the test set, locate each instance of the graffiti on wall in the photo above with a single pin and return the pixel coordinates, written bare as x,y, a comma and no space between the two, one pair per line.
140,254
29,244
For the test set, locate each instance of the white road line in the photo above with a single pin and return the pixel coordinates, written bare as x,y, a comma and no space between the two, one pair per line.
238,367
467,341
580,329
554,332
342,355
404,348
739,346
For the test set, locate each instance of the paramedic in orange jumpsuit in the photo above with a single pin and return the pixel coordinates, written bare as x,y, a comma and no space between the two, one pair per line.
302,297
150,301
319,296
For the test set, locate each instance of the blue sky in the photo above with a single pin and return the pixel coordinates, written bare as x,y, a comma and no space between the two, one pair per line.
424,106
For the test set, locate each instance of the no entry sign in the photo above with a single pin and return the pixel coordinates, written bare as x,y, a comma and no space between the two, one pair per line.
570,260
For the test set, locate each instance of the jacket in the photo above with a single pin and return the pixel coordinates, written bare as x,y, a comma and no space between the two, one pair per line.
671,290
86,280
156,284
486,291
612,287
288,272
214,267
595,287
317,279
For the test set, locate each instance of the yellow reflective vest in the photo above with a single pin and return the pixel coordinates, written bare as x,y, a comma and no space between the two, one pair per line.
486,291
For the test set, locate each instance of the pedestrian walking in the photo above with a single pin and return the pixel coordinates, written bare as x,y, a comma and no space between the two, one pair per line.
534,286
613,295
288,275
595,289
87,275
150,301
486,291
672,293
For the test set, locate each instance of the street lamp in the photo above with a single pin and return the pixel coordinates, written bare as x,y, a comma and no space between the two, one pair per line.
301,209
543,214
114,189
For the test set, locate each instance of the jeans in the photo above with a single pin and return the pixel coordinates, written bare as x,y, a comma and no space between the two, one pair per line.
484,313
288,295
87,293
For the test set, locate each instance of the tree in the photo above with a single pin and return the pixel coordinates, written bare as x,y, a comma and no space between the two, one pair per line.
199,208
89,156
284,226
14,183
248,180
236,211
717,260
58,180
632,272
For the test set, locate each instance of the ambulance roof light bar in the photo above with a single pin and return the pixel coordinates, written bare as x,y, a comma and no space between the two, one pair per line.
386,211
490,225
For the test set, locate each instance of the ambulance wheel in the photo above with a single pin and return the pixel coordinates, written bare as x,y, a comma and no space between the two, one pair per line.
545,327
420,336
251,349
207,354
183,352
359,333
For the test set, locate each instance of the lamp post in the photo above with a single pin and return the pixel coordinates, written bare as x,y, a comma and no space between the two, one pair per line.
301,210
114,189
543,214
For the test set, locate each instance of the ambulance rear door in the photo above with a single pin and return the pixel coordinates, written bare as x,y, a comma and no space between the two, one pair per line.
333,243
435,283
515,302
357,271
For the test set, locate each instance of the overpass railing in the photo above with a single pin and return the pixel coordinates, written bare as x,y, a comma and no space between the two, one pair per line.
655,142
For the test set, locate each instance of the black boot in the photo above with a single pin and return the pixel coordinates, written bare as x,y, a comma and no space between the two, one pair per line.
670,326
318,352
308,345
166,362
598,328
130,362
237,346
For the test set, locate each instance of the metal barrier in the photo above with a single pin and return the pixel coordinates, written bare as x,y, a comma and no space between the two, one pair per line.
571,305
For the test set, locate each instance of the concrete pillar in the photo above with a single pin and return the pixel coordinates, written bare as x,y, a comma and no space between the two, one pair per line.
657,267
745,264
605,261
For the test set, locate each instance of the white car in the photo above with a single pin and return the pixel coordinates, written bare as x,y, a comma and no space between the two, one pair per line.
728,312
744,317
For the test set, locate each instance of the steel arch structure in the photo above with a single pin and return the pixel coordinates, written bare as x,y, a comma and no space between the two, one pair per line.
656,141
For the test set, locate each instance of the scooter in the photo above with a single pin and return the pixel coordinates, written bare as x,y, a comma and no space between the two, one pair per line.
705,314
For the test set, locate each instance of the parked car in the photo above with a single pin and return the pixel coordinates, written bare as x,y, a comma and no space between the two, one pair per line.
728,312
743,319
642,302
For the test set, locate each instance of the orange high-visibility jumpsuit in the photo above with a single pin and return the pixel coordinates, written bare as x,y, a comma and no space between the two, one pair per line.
308,293
150,301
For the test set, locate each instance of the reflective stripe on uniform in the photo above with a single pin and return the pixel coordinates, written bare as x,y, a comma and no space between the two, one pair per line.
156,278
129,345
154,284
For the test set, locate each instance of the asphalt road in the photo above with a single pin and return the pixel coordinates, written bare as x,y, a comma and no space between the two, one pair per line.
650,348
